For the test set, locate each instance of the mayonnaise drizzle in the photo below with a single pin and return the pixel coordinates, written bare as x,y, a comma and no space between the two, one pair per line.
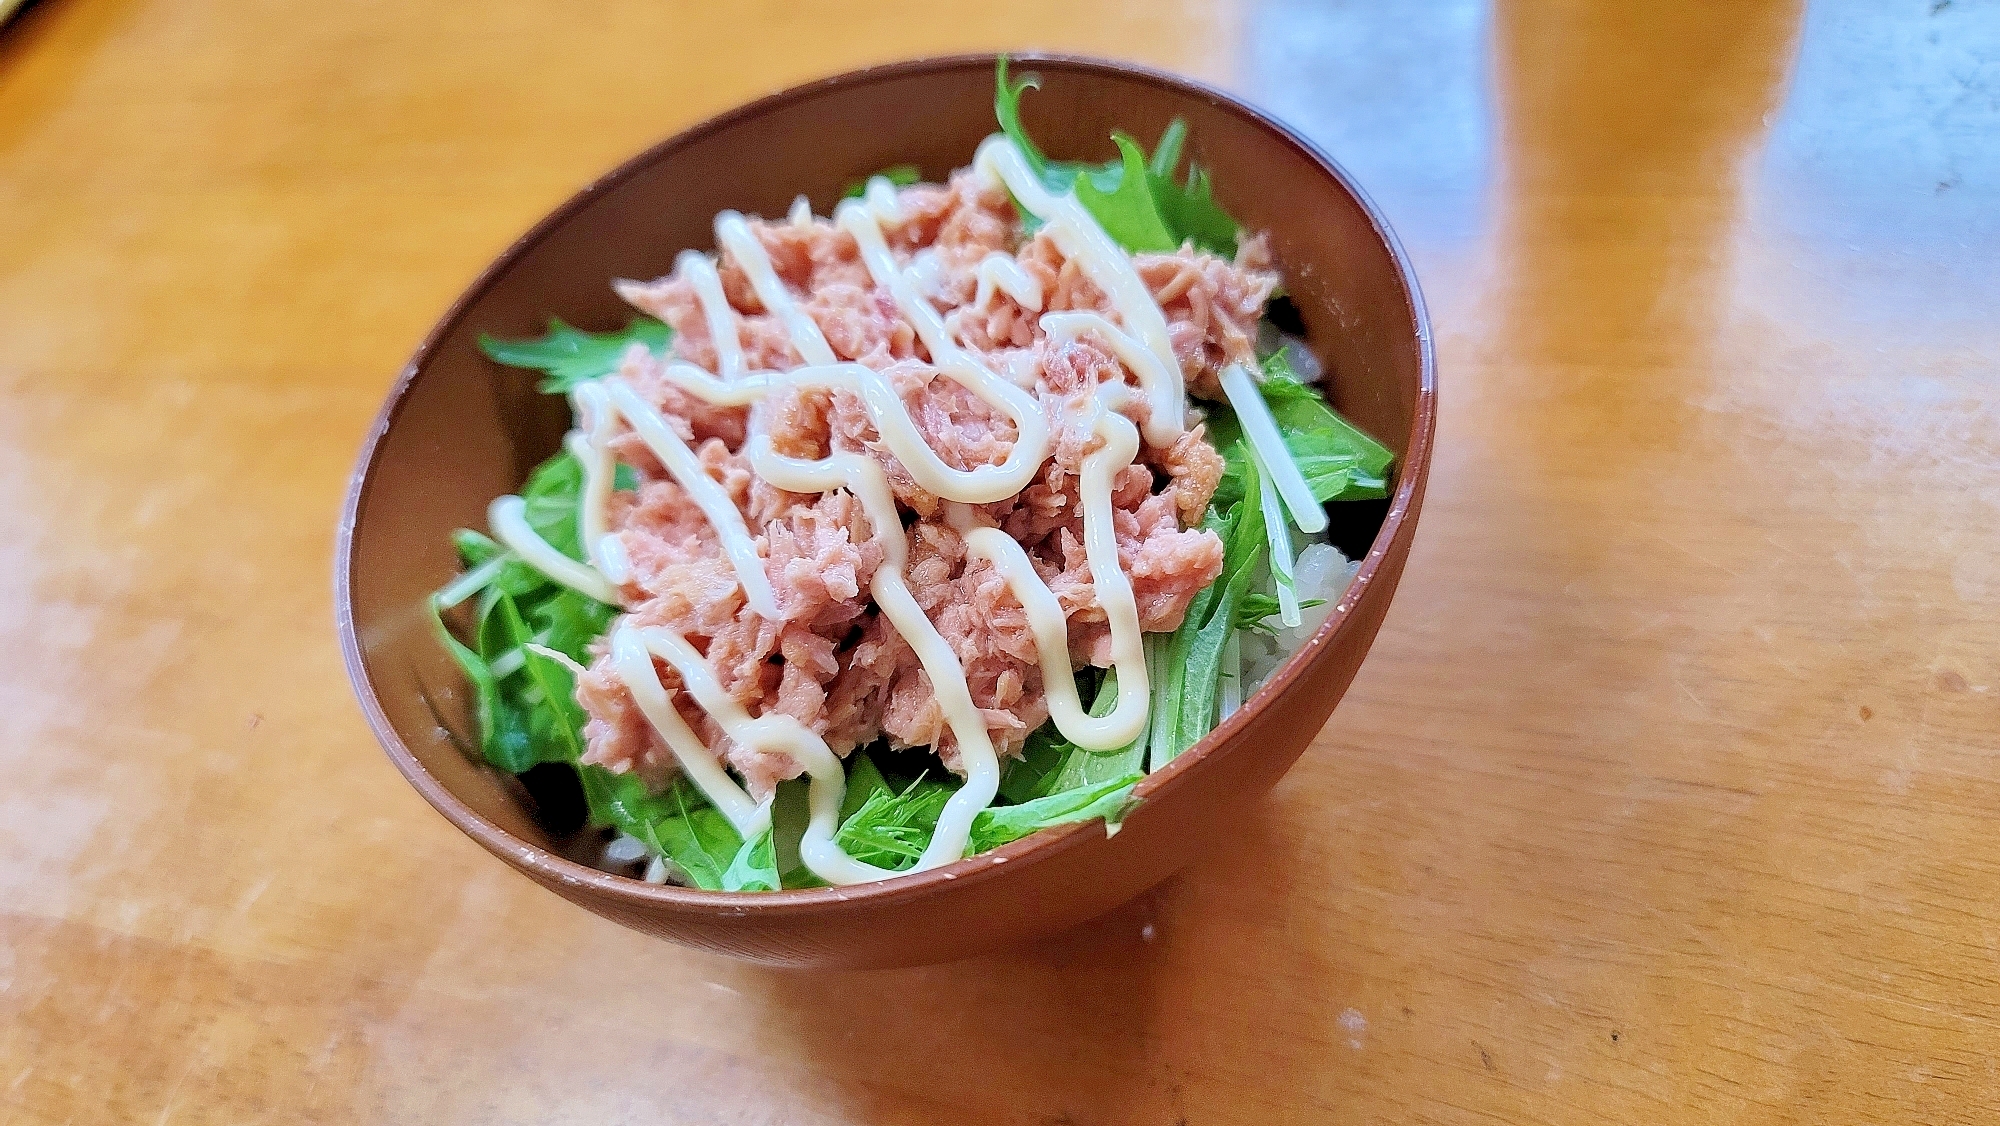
700,273
983,484
998,271
1141,345
508,517
590,444
632,658
1113,588
1080,238
733,235
776,732
1152,374
880,197
864,477
706,492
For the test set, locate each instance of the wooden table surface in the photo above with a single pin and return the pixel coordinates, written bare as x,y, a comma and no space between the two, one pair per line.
1667,795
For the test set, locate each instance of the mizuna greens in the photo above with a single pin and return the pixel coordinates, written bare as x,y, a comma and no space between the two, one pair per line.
521,638
1133,197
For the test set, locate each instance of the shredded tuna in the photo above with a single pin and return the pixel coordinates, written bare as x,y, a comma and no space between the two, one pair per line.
830,659
1212,306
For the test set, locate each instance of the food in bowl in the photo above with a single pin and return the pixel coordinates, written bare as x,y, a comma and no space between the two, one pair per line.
885,539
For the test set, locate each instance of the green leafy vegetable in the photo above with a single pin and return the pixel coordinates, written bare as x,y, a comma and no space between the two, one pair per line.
791,811
1167,154
475,548
553,493
524,702
755,866
901,175
1188,687
1084,768
1120,196
1007,111
1257,606
771,860
1110,799
503,732
1134,198
471,582
1298,407
570,356
549,695
551,497
1339,461
1190,211
568,622
1050,764
678,825
864,780
1054,783
1189,208
1042,756
480,555
891,828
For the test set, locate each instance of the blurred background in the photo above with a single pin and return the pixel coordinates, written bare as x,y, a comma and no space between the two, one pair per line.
1665,795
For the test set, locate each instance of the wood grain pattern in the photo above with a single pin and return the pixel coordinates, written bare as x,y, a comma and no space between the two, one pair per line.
1666,795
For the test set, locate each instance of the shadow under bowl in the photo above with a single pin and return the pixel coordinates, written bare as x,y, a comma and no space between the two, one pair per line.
457,432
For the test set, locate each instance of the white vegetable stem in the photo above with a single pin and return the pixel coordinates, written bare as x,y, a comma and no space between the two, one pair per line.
1265,441
1280,536
507,664
556,655
1232,674
471,582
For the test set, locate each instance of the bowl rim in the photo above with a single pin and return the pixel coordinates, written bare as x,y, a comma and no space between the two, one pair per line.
558,869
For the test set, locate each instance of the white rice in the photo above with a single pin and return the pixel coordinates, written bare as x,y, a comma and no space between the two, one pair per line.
1321,572
624,850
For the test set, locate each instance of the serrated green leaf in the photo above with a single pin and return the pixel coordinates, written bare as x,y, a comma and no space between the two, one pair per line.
791,812
474,548
1186,699
1120,197
568,622
1167,154
864,780
552,497
1042,756
503,734
570,356
1136,200
754,867
1189,210
1081,767
1110,799
891,828
1007,111
677,825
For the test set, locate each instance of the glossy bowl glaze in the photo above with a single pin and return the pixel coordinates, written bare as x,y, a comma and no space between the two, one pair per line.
457,431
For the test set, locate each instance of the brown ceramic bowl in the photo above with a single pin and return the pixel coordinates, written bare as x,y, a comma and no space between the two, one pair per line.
457,431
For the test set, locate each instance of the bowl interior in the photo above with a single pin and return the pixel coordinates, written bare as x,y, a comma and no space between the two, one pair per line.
459,430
